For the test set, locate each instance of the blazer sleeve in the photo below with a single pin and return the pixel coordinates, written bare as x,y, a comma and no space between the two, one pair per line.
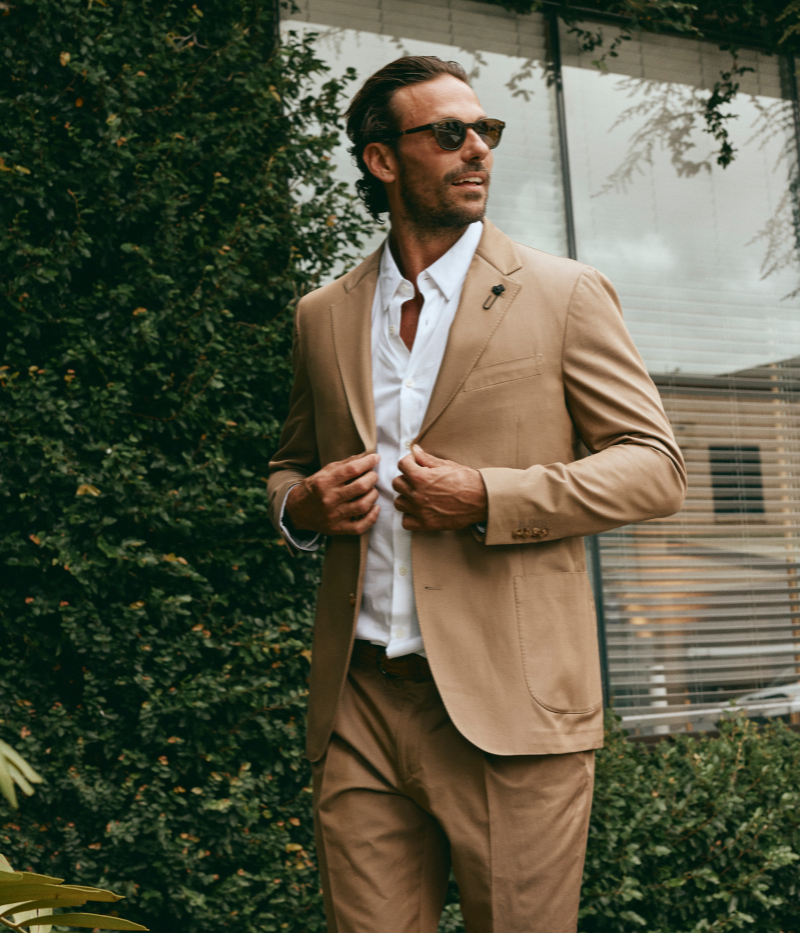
297,456
635,472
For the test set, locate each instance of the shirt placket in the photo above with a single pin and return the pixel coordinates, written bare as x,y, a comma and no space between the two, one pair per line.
402,590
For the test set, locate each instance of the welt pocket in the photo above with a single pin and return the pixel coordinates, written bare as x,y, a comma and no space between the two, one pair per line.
506,371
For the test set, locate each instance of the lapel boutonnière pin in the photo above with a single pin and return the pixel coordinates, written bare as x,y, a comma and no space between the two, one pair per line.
497,291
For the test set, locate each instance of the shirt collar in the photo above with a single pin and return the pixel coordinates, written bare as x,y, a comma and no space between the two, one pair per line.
448,272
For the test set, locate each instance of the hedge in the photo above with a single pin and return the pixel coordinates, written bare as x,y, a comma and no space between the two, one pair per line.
165,194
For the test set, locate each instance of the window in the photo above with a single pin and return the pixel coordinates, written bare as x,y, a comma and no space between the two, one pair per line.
701,608
504,55
736,479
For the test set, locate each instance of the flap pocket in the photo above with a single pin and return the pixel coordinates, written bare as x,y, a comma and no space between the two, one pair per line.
506,371
558,639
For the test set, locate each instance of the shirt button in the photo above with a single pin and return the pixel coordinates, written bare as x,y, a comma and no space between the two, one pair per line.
406,289
392,330
400,633
410,383
408,445
403,571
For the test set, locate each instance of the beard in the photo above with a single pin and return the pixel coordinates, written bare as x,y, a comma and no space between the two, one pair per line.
429,207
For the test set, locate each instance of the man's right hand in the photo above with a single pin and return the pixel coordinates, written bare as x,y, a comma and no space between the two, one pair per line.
341,499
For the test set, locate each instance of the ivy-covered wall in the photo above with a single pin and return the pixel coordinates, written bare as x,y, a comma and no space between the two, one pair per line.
164,196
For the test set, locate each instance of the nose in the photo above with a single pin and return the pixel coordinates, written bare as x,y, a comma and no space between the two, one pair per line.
474,148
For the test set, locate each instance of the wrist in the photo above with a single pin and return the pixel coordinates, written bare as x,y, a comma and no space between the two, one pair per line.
292,512
482,501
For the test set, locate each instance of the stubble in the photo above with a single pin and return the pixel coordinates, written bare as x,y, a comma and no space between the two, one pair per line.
429,209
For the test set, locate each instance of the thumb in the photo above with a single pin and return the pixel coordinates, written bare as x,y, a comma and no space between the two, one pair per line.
423,458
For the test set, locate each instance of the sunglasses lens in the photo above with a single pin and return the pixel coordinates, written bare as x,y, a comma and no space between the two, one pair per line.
450,134
490,131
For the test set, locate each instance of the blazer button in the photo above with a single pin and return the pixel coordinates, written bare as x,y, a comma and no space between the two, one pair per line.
352,599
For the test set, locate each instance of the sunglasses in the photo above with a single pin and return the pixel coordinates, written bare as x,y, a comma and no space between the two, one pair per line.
450,134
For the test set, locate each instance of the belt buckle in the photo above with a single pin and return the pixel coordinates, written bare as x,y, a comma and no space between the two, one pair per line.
381,659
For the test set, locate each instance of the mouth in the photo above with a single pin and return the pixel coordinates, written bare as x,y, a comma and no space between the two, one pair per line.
471,182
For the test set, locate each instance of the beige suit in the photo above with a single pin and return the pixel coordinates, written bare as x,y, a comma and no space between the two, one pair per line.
508,622
489,767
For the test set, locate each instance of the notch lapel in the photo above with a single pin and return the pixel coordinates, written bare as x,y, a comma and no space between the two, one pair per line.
474,325
351,319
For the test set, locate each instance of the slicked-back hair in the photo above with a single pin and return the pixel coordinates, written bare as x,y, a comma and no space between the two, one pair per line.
371,117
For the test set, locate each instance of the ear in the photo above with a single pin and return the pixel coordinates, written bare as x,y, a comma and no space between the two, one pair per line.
381,160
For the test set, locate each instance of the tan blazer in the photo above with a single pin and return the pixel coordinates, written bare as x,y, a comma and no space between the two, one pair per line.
508,622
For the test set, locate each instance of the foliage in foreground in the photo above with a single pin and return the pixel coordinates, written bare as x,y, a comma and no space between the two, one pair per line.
696,834
26,897
164,197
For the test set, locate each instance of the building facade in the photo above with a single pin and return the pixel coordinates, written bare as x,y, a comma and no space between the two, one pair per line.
611,165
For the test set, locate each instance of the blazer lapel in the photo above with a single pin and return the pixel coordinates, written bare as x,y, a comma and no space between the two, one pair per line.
473,325
351,318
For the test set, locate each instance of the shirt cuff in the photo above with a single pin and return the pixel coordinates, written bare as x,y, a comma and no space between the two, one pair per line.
302,540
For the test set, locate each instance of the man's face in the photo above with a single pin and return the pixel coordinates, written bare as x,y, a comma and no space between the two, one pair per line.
441,189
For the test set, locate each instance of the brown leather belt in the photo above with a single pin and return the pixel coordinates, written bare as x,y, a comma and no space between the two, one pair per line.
373,657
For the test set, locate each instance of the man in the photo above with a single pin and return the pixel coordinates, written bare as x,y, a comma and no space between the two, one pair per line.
443,391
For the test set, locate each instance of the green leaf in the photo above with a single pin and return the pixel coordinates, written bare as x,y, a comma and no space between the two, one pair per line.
16,759
44,904
12,894
7,784
94,921
30,877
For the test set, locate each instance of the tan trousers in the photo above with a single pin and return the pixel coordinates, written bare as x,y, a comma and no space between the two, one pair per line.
401,794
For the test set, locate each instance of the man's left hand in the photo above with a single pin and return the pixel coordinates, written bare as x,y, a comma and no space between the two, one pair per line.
438,495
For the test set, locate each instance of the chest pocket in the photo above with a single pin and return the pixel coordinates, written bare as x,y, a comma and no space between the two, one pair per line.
507,371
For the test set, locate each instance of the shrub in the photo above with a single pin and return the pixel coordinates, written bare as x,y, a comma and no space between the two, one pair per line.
164,197
696,834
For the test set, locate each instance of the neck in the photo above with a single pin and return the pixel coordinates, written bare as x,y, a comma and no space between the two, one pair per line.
414,250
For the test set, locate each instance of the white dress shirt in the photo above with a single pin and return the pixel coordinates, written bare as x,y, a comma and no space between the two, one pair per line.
402,383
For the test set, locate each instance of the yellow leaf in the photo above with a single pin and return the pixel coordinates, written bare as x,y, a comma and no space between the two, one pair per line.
4,168
137,605
64,58
111,118
293,847
34,539
86,489
140,311
79,102
306,653
331,221
22,169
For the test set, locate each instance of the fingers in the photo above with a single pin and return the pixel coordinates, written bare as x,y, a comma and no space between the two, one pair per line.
359,506
345,471
357,488
412,523
409,467
360,525
404,504
401,484
424,459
